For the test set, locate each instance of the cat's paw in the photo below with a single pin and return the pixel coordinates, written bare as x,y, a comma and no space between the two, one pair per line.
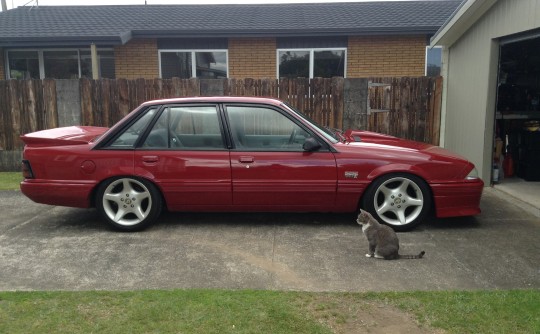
369,255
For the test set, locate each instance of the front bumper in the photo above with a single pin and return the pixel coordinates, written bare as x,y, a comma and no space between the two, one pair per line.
455,199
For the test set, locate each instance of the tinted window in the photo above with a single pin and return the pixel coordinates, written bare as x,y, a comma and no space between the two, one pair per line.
329,63
187,128
264,129
23,64
433,61
294,64
176,64
61,64
128,138
188,64
311,63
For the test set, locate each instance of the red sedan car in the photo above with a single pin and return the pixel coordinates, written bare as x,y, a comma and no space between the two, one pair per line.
241,154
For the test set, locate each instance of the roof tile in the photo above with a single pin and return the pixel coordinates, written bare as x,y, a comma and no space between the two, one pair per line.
114,23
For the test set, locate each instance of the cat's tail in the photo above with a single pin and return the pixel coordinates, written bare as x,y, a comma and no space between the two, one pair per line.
419,256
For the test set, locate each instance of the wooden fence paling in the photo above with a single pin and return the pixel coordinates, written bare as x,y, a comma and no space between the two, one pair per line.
15,97
5,119
413,103
338,85
50,106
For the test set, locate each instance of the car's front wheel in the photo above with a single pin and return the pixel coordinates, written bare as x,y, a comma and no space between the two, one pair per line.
128,203
398,200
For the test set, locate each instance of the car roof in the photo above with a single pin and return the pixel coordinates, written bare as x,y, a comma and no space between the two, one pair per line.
217,99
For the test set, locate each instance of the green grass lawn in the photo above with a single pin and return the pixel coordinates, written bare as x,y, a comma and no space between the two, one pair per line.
246,311
10,180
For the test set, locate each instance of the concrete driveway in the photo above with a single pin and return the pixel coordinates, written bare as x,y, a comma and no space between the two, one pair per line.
56,248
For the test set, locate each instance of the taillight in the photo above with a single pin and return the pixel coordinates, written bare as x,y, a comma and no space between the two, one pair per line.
27,170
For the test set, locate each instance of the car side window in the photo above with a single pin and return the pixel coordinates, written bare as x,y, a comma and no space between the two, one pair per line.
264,129
128,138
186,128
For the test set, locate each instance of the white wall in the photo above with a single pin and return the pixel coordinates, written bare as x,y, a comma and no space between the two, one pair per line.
471,80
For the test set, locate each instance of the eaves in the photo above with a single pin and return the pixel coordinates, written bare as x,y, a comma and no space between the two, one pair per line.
464,17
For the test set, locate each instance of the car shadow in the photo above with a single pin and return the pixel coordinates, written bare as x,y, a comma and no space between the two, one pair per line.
90,220
454,223
172,219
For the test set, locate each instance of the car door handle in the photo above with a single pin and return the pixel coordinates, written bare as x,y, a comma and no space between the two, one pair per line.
246,160
150,158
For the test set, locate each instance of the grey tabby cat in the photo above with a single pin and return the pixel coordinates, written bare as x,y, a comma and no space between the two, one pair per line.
383,241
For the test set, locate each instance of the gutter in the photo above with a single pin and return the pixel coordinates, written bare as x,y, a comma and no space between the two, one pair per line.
61,41
428,30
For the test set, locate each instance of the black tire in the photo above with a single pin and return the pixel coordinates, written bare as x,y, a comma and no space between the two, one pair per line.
399,200
128,203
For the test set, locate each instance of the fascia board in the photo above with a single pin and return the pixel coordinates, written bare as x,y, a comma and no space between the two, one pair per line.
428,30
13,42
466,15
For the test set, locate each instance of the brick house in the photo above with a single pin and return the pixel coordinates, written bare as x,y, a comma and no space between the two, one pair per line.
357,39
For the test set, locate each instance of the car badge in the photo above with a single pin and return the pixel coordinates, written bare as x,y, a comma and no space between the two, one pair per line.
351,175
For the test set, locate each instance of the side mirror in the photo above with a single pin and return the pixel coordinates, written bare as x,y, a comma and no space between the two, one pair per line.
311,144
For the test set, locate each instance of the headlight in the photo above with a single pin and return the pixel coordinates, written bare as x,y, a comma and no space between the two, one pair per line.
473,174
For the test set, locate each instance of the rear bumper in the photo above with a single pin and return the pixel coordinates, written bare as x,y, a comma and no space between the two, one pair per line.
457,198
61,193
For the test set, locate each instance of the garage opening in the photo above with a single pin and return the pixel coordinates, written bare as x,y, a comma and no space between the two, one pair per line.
516,157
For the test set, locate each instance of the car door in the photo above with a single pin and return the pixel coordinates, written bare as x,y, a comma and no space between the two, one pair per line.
184,153
270,169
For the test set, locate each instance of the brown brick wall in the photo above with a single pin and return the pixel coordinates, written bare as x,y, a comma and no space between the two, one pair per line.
2,64
137,59
256,57
386,56
252,58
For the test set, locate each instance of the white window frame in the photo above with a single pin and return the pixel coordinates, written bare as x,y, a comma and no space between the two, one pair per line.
41,60
193,58
426,58
312,58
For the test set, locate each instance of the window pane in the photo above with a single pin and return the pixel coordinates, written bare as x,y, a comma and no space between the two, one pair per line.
130,136
86,64
294,64
262,129
211,65
433,61
188,128
61,64
160,136
23,64
105,64
197,127
176,64
330,63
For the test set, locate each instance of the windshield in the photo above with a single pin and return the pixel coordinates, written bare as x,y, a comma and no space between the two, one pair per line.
332,135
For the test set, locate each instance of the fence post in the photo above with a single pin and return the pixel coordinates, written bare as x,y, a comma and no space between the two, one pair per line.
355,98
68,101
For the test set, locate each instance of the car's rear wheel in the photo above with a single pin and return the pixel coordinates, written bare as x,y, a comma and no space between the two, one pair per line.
399,200
128,203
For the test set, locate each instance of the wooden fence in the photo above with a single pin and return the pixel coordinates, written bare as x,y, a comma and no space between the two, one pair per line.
412,104
406,107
